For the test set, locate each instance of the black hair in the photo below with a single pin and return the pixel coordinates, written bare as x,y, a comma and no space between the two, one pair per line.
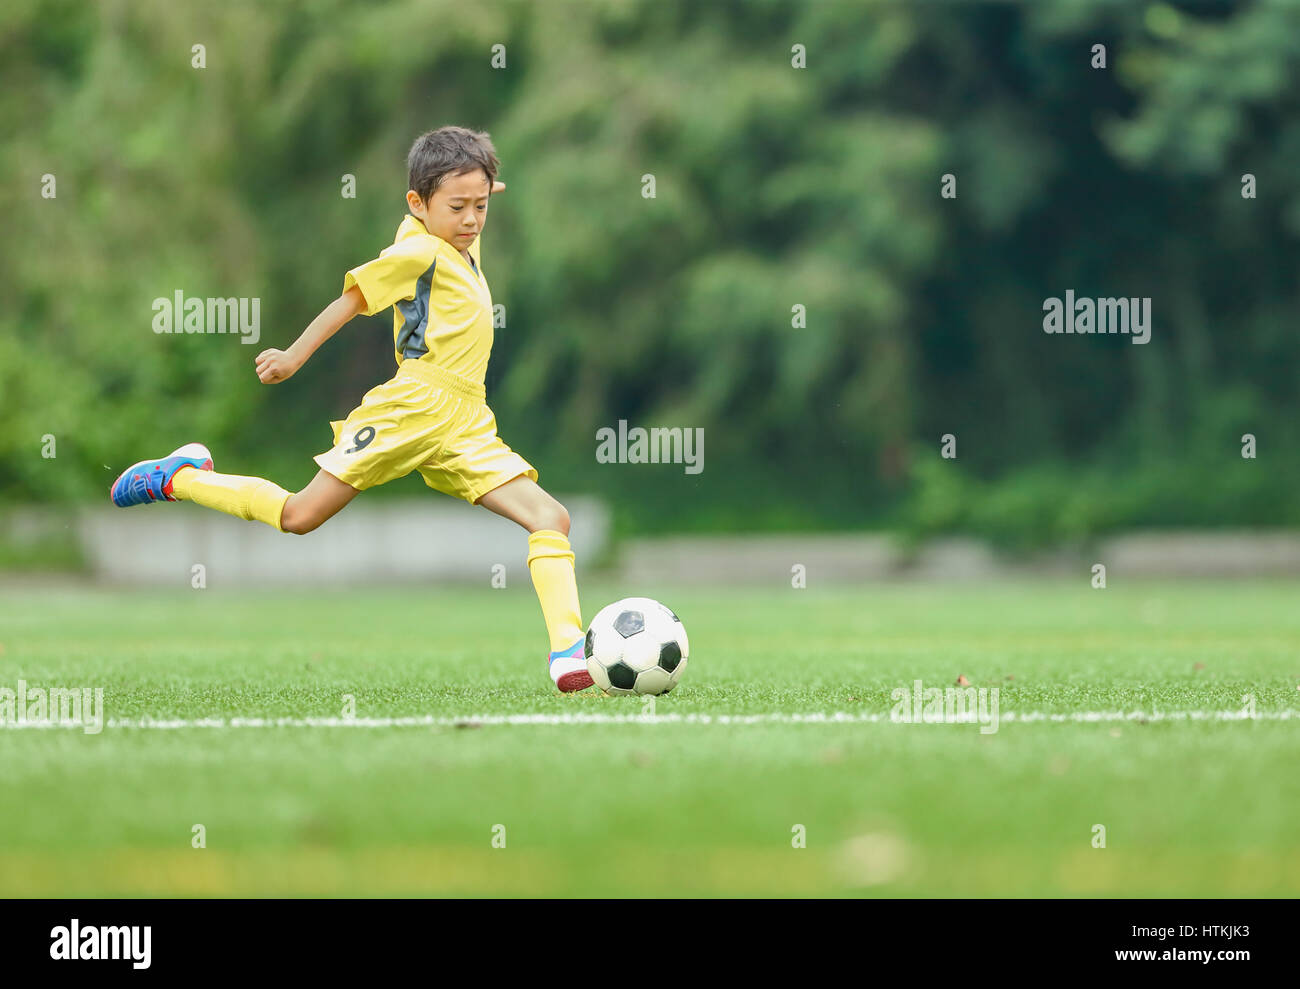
448,151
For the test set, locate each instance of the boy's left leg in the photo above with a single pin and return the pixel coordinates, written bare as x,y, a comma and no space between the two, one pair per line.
550,561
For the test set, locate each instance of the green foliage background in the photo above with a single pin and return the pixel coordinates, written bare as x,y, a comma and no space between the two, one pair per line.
776,186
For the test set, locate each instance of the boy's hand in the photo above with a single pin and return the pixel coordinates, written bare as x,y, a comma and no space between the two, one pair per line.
274,366
498,186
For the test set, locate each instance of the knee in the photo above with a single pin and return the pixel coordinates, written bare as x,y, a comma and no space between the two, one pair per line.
554,516
296,521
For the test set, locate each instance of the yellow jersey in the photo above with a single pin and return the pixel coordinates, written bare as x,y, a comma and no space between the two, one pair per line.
442,306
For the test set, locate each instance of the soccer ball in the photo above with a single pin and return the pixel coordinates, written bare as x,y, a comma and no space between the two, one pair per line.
636,646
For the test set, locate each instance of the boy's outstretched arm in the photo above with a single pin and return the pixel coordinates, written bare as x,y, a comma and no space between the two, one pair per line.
274,366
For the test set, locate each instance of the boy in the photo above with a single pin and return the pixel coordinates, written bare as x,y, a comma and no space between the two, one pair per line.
431,416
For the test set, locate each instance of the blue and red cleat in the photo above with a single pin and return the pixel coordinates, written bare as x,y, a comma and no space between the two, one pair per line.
569,668
151,480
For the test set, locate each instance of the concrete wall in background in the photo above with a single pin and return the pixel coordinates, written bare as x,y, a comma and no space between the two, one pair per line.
855,557
440,539
385,541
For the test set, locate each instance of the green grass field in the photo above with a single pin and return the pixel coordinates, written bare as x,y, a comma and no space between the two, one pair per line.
657,806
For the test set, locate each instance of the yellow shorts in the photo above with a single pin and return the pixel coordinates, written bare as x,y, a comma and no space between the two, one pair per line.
429,419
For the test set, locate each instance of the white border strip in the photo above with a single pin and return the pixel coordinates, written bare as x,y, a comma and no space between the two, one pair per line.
520,720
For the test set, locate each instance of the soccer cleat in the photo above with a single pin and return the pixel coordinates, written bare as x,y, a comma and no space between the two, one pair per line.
151,480
569,668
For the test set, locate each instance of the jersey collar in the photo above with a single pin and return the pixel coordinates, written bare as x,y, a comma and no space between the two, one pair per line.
412,227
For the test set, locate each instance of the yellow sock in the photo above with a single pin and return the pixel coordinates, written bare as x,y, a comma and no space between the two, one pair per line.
550,560
249,498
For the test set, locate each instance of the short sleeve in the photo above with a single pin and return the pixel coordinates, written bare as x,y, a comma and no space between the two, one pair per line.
393,275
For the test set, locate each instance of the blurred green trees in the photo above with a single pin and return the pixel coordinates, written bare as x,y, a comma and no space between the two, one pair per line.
776,187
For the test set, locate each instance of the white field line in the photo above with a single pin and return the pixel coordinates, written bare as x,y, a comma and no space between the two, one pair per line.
492,720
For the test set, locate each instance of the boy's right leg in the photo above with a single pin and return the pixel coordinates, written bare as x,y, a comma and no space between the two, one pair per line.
260,500
186,475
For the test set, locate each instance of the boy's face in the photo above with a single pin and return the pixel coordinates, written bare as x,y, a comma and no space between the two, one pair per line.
457,209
